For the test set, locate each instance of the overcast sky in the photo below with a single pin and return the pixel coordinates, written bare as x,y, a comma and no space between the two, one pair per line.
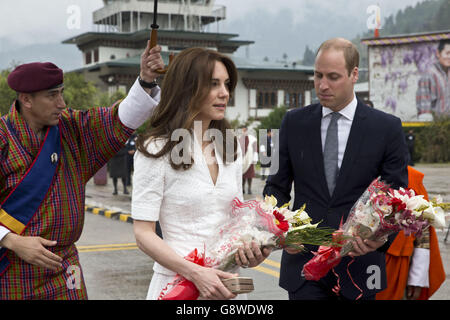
35,21
277,26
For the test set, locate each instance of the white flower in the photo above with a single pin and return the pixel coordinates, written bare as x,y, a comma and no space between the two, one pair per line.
368,218
400,196
435,215
386,209
304,216
416,202
269,203
287,214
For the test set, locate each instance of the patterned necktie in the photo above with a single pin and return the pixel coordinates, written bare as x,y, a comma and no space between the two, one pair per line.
330,153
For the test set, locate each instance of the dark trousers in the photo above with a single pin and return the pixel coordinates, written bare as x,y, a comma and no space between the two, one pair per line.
318,290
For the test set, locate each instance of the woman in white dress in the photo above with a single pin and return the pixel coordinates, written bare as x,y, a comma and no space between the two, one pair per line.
186,175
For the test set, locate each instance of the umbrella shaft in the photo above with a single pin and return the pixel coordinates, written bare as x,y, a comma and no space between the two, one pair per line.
155,12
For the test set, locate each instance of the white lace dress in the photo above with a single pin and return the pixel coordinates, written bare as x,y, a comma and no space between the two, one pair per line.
189,207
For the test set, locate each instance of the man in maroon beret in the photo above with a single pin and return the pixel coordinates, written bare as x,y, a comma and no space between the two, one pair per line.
35,83
48,153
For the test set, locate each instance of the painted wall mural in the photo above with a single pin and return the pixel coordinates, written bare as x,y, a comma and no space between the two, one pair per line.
402,77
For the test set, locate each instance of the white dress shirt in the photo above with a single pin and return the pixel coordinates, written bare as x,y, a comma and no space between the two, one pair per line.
134,110
344,125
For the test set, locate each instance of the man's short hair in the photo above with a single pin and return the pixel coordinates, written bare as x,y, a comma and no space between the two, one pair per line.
350,51
442,44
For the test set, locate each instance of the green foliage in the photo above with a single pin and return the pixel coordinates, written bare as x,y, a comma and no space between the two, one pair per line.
235,123
103,99
7,95
273,120
78,93
433,142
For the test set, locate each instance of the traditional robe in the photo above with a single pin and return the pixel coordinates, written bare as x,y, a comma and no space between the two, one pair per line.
89,139
399,254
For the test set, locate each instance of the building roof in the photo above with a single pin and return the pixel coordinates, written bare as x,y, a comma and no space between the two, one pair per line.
241,64
145,34
407,38
251,65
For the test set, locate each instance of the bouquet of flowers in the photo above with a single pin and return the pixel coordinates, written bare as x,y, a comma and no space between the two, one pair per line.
379,212
259,221
267,225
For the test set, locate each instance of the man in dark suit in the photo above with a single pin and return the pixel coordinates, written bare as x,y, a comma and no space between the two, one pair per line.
332,151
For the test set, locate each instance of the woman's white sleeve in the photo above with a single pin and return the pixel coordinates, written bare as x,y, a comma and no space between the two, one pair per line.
148,187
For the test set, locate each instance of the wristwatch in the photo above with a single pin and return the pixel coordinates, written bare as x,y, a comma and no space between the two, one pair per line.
148,85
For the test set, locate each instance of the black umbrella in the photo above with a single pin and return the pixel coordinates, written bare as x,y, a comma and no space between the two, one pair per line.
154,34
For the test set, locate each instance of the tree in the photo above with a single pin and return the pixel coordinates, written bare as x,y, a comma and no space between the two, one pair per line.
308,57
106,100
78,93
273,120
7,95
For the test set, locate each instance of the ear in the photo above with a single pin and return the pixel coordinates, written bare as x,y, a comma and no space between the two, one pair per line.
26,100
355,75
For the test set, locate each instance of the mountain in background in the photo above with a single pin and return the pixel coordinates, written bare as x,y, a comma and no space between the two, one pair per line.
65,56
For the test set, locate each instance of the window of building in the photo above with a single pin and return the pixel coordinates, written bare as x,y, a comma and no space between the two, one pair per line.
293,99
96,55
267,99
88,57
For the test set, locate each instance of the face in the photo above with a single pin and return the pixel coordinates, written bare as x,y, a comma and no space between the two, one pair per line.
44,107
334,87
444,56
215,104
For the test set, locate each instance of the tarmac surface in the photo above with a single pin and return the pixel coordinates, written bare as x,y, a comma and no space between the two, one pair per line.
101,201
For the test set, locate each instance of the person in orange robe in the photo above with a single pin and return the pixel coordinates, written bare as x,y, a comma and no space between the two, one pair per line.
399,255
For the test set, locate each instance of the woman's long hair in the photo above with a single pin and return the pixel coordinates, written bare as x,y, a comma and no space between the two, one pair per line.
186,86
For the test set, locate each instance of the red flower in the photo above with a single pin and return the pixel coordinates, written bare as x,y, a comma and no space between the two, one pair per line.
280,221
397,205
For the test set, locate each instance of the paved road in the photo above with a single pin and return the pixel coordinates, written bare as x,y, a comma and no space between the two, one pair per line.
115,268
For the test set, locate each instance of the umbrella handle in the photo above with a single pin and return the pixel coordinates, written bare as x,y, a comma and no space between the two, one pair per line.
153,42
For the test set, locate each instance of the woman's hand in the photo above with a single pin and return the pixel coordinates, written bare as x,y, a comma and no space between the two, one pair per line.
250,255
208,283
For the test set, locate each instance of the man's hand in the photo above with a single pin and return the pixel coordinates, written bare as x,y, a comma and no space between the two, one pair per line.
151,61
412,292
291,250
32,250
250,256
362,247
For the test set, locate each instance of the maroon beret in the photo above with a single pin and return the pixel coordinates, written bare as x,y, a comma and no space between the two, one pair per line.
36,76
